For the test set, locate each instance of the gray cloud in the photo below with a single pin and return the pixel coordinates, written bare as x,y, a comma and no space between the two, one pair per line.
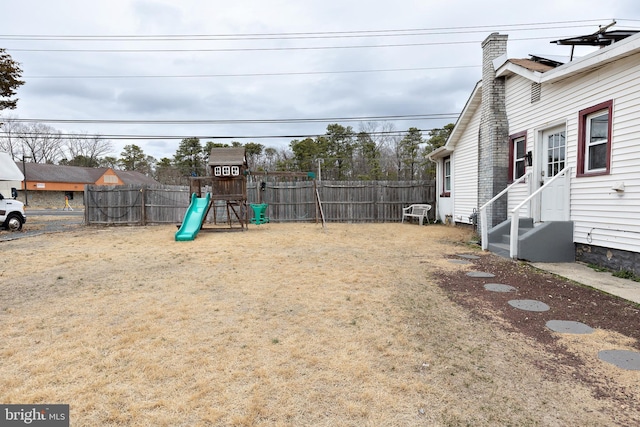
429,91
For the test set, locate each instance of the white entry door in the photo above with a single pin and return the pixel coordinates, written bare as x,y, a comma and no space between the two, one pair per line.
553,203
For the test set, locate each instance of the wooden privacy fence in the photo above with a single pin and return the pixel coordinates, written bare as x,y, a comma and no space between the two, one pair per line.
342,201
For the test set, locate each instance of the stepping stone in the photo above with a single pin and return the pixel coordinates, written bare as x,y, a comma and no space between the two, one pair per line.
529,305
625,359
459,261
497,287
569,327
480,274
465,256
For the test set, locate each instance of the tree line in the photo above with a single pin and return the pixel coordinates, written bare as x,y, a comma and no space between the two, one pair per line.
375,152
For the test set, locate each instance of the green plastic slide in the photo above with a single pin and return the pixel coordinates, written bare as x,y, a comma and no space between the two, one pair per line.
193,218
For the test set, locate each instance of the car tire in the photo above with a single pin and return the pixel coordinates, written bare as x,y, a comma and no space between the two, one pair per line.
13,223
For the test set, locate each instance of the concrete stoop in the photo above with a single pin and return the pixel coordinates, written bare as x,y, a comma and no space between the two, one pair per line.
544,242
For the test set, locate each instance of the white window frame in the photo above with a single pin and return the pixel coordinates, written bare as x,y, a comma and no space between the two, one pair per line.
519,160
589,143
446,175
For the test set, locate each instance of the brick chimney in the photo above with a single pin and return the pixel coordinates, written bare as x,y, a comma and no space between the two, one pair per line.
493,144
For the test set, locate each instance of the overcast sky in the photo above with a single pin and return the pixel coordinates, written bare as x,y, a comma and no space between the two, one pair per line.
268,60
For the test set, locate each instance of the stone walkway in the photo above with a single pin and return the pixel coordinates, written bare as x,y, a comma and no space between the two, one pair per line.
624,359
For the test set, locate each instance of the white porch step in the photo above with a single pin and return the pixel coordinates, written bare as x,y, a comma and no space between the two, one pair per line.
547,242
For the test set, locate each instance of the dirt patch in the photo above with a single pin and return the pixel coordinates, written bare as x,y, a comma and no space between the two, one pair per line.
284,324
575,356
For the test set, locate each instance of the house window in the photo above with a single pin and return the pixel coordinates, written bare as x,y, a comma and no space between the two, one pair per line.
446,170
226,170
594,139
217,171
235,170
517,155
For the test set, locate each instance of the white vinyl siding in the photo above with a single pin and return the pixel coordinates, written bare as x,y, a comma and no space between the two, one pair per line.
519,93
602,216
464,163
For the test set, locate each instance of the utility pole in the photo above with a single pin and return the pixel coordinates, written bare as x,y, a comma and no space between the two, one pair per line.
24,172
320,161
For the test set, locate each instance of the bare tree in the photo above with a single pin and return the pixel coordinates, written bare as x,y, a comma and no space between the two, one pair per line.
269,161
386,140
9,141
41,142
85,150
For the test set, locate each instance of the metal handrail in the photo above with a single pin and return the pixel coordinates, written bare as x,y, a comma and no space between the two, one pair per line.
515,213
484,230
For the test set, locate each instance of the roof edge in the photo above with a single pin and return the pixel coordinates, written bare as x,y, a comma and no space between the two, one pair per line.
626,47
465,116
439,153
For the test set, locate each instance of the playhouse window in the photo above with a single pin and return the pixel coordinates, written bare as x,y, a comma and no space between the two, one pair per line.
594,136
217,171
235,170
226,170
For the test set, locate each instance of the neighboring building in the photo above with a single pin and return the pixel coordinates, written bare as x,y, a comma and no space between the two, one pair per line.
48,185
529,120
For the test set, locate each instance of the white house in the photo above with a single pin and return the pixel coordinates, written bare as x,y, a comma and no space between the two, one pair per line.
563,140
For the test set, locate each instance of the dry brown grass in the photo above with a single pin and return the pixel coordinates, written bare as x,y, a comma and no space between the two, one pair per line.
280,325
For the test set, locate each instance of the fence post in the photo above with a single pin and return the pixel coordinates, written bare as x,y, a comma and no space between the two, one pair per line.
316,193
376,196
86,204
143,210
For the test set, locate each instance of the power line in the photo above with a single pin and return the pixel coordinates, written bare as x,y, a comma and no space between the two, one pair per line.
438,116
263,49
214,137
293,73
301,35
175,38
